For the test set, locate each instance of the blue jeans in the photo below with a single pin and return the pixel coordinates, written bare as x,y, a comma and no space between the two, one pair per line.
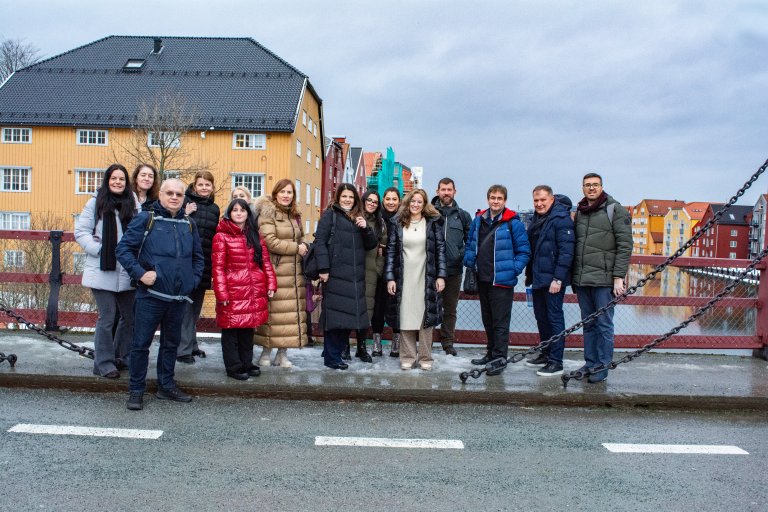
334,341
148,313
548,310
598,334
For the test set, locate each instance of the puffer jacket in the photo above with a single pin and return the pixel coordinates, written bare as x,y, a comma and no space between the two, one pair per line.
171,248
238,280
436,267
88,235
343,257
603,248
510,246
374,265
553,255
206,219
287,323
456,224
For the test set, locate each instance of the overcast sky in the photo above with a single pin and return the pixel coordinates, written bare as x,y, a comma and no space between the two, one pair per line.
665,99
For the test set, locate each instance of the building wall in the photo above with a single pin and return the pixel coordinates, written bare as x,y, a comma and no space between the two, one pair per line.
641,230
677,230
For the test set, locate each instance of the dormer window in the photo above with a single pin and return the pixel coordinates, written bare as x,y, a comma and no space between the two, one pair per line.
133,65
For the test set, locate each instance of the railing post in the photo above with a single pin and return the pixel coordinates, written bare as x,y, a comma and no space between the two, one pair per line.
761,323
54,280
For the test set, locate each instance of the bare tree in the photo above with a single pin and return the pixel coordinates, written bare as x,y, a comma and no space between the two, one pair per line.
157,137
16,54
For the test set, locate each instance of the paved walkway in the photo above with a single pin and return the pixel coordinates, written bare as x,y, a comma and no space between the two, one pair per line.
689,381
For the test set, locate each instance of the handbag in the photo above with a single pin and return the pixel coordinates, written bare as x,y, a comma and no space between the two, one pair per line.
309,263
470,281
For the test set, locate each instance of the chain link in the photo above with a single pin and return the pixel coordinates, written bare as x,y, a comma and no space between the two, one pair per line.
517,357
83,351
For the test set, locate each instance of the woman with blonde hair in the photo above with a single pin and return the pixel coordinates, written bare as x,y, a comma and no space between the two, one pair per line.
415,271
280,227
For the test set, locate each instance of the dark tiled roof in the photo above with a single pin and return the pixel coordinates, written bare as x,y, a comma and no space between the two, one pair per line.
229,83
734,216
356,153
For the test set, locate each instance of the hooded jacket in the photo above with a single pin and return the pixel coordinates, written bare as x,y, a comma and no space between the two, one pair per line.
552,256
287,323
393,271
456,224
238,280
171,248
343,257
207,219
511,250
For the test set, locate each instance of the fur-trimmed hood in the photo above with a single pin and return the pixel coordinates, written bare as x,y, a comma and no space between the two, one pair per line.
265,206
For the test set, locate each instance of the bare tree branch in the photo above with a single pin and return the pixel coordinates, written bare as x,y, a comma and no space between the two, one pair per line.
16,54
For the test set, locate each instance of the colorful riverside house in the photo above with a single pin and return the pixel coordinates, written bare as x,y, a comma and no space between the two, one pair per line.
333,171
729,237
758,226
228,105
647,218
386,172
678,226
358,165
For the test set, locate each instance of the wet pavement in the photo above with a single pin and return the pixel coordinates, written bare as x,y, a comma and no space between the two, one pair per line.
684,381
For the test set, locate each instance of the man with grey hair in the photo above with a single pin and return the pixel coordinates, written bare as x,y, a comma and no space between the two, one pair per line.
161,251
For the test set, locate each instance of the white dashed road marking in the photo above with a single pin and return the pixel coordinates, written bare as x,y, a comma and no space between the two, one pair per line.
27,428
385,442
703,449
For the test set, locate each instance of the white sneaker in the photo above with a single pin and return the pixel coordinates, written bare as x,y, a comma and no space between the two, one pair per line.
406,366
264,358
281,359
426,367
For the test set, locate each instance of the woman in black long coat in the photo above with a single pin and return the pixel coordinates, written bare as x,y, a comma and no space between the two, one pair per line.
343,237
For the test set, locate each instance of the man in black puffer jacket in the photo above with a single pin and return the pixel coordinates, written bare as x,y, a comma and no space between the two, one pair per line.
552,238
455,228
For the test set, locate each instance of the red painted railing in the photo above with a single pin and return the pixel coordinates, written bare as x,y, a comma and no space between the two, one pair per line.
756,340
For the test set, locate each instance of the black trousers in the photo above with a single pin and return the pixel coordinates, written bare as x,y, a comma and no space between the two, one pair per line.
496,312
380,306
237,349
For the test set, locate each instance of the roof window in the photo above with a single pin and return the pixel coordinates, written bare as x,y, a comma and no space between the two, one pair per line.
133,65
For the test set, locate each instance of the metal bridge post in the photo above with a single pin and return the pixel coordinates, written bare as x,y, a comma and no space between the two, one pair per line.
761,323
52,311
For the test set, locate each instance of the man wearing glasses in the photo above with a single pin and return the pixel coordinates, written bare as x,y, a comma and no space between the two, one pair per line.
601,261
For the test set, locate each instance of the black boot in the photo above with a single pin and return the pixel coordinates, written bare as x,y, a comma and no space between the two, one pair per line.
345,355
362,351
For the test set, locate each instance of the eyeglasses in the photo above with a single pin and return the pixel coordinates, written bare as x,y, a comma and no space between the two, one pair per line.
371,201
593,185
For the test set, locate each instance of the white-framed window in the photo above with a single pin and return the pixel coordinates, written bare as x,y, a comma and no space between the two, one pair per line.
304,117
171,173
306,226
298,191
14,220
252,181
87,181
309,125
92,137
13,259
317,197
309,156
164,139
298,147
317,162
733,232
732,255
315,227
78,262
315,130
308,196
15,179
249,141
733,243
17,135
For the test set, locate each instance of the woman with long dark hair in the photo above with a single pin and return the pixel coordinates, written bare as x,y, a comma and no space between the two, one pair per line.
98,230
415,271
342,239
390,203
243,281
280,227
375,288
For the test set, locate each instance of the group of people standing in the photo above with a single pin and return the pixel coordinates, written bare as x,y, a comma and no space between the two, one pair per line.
153,250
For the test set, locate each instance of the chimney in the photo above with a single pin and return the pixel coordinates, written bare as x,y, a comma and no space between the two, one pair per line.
158,45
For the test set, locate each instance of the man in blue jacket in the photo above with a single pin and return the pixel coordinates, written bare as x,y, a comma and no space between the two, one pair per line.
552,239
498,250
161,251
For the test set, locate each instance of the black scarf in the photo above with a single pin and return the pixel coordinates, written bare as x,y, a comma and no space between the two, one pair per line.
585,208
534,229
108,260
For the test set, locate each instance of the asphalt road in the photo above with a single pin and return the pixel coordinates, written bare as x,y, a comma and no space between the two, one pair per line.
234,454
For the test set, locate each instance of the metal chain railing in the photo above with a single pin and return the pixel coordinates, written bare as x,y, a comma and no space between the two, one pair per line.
580,374
83,351
517,357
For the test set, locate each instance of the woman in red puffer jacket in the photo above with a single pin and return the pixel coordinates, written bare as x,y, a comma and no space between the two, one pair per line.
243,279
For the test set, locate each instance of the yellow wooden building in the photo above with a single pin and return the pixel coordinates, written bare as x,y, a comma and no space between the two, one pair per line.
237,109
678,226
648,225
